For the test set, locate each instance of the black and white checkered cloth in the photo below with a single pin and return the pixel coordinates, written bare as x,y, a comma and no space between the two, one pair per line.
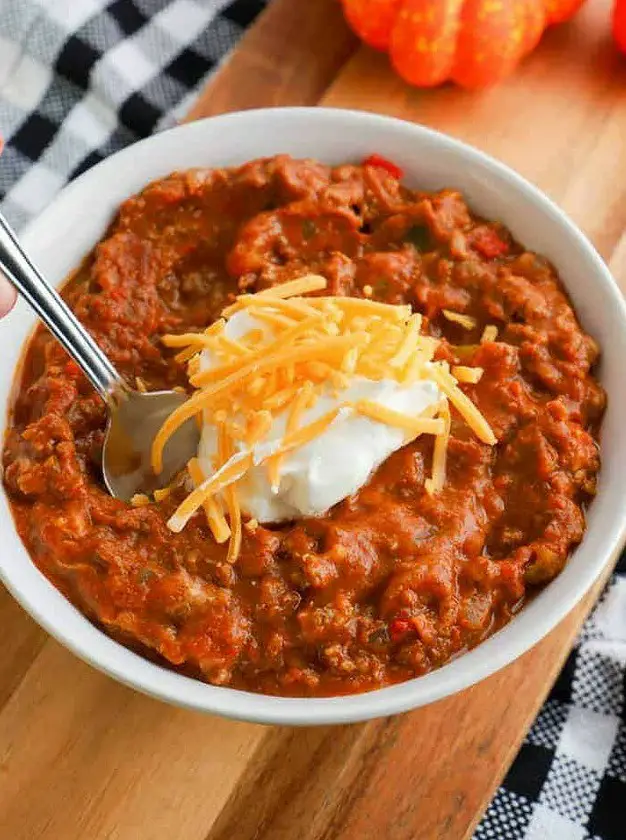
80,79
568,781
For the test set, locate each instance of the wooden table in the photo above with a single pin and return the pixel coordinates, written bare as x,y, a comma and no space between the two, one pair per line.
84,758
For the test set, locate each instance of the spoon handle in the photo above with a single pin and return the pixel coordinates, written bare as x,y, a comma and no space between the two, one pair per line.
57,316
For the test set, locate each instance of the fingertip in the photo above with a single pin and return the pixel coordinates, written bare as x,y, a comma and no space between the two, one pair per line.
8,297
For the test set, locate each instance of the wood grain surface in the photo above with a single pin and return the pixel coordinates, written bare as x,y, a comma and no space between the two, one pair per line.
82,758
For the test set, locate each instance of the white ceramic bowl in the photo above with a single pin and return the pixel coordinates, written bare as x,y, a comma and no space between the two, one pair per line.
67,230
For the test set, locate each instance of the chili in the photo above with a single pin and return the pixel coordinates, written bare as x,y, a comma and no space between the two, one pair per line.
390,583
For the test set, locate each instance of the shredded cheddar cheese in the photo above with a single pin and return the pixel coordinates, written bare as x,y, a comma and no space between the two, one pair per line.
274,319
307,344
465,321
234,469
464,405
440,452
490,333
140,500
287,306
215,517
409,342
224,451
160,495
293,288
468,375
414,425
298,406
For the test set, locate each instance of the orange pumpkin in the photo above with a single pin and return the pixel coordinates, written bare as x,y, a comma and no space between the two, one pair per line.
619,24
472,42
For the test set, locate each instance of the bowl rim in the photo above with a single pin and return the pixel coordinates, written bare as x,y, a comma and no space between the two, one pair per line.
154,680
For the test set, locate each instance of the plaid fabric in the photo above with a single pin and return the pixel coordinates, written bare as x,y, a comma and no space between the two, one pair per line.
80,79
568,781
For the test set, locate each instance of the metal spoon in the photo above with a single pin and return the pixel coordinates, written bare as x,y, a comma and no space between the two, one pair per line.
134,418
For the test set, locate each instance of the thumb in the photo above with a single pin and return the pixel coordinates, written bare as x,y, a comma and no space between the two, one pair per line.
7,292
7,296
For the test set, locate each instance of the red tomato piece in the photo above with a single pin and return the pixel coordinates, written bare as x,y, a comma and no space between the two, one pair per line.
488,243
383,163
400,627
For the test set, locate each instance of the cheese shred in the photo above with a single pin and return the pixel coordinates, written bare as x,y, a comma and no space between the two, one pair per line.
465,321
490,333
224,452
440,453
467,375
413,425
215,517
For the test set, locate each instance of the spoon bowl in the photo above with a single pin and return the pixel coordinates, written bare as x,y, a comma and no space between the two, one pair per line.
133,424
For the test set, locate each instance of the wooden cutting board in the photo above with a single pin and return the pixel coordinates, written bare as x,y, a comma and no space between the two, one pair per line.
82,758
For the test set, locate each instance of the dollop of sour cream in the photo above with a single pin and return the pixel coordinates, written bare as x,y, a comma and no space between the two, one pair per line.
333,465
